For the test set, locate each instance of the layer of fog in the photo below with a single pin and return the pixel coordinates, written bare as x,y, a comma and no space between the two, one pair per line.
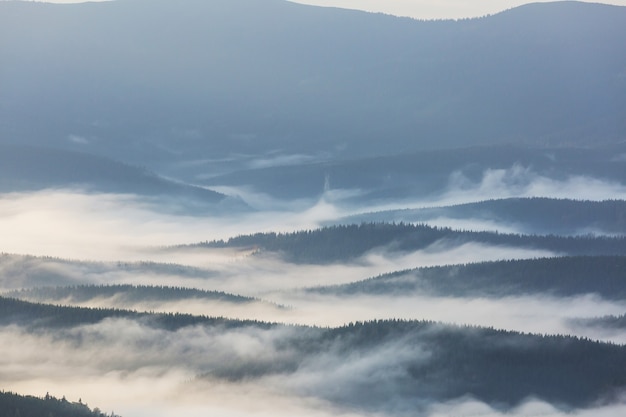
123,366
240,273
517,181
128,367
72,224
277,284
536,314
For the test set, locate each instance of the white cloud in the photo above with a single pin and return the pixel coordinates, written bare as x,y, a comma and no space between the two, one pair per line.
77,139
517,181
283,160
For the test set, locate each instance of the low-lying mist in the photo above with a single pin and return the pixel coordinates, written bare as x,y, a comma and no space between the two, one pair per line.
78,225
69,238
239,272
515,182
138,370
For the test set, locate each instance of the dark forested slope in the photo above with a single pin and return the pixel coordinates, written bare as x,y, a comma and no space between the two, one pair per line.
14,405
48,316
533,215
563,276
27,271
130,293
341,243
384,365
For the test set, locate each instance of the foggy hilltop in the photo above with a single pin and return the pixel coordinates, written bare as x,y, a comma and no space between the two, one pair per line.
248,208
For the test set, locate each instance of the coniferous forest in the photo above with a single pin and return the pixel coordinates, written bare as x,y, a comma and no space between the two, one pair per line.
252,208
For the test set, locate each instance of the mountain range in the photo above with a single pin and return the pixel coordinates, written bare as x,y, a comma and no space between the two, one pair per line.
248,79
255,207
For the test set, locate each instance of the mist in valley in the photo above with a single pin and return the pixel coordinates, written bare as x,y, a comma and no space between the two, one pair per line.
264,208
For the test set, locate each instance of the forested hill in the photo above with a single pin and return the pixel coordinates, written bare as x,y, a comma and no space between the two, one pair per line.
340,243
533,215
14,405
499,367
406,365
385,365
27,271
604,322
131,293
562,276
47,316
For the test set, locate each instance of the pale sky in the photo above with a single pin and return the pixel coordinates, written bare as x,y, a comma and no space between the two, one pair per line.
434,9
419,9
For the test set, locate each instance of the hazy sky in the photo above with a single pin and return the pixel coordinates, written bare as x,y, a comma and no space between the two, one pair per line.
421,9
432,9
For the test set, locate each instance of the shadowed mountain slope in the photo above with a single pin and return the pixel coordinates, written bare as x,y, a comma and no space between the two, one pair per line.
152,82
26,168
347,243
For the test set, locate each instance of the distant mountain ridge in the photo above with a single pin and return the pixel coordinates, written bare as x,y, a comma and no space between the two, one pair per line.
427,173
441,208
193,79
28,168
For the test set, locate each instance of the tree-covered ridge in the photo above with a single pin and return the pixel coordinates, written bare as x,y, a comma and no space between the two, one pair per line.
377,364
123,292
27,271
22,261
43,316
498,366
605,322
345,242
439,362
536,215
559,276
14,405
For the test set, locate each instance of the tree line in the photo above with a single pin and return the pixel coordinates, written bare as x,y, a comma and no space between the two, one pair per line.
345,242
